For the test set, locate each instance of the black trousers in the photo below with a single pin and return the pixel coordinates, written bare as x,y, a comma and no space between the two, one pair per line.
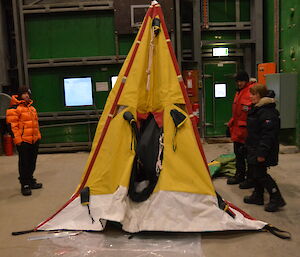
27,161
262,179
240,157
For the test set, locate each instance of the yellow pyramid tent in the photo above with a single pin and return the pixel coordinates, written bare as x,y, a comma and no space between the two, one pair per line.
151,89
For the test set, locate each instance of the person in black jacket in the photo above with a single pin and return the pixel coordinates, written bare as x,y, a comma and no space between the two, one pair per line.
262,144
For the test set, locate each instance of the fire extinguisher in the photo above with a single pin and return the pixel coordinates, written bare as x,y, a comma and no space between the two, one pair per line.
8,145
196,112
189,84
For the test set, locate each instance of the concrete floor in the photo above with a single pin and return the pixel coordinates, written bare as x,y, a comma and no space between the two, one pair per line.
60,174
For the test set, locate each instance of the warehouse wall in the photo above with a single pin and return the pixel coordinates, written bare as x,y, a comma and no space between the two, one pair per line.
71,35
289,45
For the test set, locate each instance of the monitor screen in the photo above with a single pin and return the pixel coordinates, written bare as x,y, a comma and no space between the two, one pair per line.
113,81
78,91
220,90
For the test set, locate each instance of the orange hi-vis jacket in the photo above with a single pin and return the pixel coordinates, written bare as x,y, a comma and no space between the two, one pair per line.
238,123
23,120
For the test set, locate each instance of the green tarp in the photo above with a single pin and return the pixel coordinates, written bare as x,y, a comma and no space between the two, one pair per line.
224,165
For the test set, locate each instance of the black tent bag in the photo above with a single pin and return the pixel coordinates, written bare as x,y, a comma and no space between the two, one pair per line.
144,175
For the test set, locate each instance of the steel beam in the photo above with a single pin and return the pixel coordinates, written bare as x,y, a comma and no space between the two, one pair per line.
237,18
67,7
65,147
4,61
178,32
18,43
225,26
68,124
197,56
227,42
257,32
63,62
276,35
197,34
24,43
248,59
71,115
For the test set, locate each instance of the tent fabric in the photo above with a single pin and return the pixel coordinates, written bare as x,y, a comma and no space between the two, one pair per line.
184,198
163,211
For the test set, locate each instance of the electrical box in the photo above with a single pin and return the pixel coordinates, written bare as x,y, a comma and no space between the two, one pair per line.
285,88
264,69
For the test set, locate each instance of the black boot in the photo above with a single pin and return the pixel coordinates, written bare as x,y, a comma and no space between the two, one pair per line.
249,182
276,199
25,190
35,185
246,184
236,179
257,196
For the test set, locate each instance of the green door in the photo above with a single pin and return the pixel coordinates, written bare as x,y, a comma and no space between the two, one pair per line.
219,86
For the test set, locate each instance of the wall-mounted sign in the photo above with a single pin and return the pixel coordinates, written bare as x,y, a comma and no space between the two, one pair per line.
220,51
101,86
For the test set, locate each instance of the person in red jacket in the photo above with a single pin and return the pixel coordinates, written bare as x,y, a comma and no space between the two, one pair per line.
23,122
238,130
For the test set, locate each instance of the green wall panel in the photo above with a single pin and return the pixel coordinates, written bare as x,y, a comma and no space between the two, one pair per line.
268,30
245,10
48,96
222,10
68,134
186,41
47,85
289,36
70,35
125,43
67,35
290,48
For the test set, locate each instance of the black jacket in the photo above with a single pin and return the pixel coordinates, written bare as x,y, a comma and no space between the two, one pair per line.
263,124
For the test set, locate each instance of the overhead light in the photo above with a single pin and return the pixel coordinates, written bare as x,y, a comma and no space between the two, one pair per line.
220,51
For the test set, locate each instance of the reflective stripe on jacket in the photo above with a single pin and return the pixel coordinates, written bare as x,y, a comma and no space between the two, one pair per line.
23,120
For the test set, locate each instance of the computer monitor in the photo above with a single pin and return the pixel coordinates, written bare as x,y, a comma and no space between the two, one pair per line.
113,81
220,90
78,91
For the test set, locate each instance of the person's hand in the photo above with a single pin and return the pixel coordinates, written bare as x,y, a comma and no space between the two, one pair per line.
261,159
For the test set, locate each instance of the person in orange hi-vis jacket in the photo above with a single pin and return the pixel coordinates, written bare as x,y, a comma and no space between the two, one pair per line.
23,122
237,126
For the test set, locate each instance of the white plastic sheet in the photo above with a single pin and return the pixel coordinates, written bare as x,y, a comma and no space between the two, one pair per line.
118,243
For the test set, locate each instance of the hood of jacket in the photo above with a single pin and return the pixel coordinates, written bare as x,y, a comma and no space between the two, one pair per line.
265,101
15,101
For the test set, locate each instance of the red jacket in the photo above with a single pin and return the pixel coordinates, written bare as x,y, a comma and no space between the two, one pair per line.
23,120
240,107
